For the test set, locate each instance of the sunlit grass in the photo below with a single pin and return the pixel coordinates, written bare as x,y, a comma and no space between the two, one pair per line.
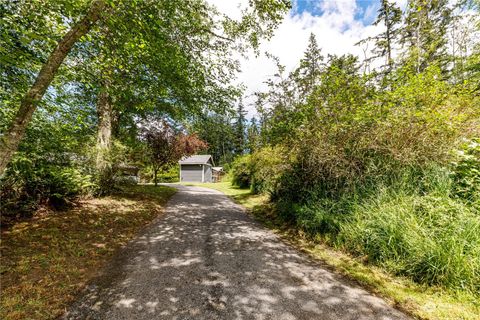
241,196
421,301
47,259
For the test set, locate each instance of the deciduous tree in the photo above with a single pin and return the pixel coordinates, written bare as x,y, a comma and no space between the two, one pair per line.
165,147
11,138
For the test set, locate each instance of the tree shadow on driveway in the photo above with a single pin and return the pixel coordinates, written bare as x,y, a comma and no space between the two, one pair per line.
206,259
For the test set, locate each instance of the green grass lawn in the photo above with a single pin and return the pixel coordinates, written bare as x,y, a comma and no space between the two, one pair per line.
46,260
420,301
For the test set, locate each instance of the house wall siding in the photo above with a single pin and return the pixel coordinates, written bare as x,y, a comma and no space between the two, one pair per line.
207,173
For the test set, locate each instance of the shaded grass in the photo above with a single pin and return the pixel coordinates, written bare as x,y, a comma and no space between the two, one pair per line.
48,259
420,301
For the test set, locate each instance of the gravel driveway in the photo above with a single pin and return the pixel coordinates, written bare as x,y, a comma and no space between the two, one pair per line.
206,259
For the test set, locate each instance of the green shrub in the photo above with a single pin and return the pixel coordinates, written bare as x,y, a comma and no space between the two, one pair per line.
107,179
466,173
261,170
267,166
170,175
65,184
28,184
241,172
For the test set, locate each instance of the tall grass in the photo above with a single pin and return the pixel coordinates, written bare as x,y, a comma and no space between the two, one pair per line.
412,226
434,240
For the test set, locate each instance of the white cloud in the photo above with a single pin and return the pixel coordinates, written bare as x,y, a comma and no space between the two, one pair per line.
336,30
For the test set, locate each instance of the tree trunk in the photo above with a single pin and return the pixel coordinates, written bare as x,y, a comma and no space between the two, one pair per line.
104,132
115,123
12,137
389,41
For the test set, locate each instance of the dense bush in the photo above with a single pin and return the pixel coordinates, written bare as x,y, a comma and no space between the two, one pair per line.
170,175
412,227
28,184
167,176
109,177
466,172
267,165
261,170
241,172
377,137
51,167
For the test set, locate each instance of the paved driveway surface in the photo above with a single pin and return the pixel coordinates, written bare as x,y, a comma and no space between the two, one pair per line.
206,259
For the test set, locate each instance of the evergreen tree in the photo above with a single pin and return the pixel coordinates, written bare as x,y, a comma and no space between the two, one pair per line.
391,16
217,130
240,126
426,24
310,67
253,133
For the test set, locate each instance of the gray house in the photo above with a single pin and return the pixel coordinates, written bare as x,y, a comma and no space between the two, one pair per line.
196,168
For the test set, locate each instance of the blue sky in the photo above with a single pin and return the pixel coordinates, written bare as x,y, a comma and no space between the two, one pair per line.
366,9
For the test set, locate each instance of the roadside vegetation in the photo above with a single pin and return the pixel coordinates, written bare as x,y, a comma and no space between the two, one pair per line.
48,259
384,165
395,184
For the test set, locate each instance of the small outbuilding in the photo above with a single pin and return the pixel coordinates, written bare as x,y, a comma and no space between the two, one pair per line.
217,173
197,168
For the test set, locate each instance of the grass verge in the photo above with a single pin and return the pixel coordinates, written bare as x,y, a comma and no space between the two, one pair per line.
420,301
240,196
48,259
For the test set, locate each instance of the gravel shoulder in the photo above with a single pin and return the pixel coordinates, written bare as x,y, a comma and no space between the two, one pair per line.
206,259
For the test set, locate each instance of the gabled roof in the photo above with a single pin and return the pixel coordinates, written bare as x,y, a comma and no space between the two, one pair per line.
197,159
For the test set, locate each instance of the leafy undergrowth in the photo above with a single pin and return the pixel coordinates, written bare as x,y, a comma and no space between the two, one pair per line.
420,301
46,260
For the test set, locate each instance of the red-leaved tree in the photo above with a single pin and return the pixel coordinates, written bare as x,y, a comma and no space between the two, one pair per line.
165,147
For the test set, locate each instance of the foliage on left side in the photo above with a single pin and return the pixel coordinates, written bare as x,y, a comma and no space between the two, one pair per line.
134,61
